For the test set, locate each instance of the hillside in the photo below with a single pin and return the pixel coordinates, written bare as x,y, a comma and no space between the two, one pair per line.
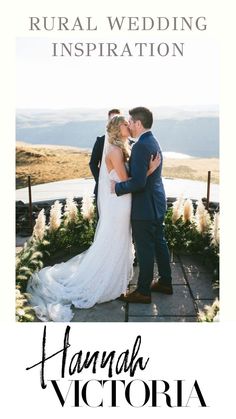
49,164
194,134
52,163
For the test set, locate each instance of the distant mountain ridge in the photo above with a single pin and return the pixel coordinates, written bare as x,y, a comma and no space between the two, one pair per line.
198,137
195,133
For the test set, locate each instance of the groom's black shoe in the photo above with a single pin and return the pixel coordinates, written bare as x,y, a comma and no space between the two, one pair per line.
121,297
164,289
136,297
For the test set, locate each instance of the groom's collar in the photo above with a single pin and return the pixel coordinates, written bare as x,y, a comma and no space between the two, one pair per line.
144,132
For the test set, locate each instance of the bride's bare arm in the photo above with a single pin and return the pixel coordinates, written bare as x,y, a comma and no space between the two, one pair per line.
117,161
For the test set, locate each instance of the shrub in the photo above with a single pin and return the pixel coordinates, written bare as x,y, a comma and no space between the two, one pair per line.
193,232
72,230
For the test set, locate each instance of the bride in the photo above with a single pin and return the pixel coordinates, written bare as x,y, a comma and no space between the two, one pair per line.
102,272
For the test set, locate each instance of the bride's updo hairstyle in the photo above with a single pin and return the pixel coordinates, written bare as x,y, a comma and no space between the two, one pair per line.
114,135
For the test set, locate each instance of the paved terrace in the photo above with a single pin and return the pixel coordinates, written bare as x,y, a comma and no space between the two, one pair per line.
193,289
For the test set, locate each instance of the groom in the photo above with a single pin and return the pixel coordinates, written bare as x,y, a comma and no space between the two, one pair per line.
148,210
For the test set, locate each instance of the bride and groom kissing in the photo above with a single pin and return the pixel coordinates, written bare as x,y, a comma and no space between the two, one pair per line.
131,203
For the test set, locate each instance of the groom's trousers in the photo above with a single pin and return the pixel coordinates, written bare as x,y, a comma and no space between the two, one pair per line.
150,244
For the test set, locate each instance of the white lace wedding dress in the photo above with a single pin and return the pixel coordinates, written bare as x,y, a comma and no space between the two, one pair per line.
97,275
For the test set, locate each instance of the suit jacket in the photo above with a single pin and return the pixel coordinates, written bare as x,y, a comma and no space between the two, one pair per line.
96,158
148,194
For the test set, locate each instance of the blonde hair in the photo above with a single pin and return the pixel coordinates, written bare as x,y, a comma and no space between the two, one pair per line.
113,130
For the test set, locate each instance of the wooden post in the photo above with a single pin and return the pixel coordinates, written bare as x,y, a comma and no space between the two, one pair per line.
30,206
208,189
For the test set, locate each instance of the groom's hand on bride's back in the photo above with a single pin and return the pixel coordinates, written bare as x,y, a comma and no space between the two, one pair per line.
154,163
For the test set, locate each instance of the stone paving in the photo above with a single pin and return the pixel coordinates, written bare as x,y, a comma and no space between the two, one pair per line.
193,290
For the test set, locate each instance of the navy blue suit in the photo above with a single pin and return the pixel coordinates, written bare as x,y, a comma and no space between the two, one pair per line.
95,160
147,212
